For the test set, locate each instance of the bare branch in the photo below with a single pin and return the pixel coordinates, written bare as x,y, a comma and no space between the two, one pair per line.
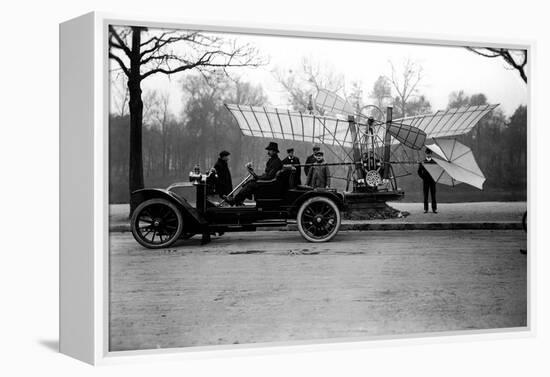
206,60
120,63
119,41
507,55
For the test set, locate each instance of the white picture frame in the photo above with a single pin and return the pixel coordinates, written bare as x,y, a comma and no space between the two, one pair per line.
84,102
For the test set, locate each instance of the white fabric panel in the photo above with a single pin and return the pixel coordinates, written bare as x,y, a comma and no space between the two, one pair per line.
460,174
459,154
440,175
458,161
333,103
272,123
435,149
450,122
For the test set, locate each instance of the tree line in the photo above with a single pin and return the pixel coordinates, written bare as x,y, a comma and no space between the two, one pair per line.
150,146
173,145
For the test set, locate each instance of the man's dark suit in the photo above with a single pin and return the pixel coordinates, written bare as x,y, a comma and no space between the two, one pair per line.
309,160
272,166
297,175
428,185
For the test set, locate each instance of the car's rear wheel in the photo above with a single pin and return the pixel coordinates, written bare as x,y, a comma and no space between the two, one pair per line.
318,219
156,223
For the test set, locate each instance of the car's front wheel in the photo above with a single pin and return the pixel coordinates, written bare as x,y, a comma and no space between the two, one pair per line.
318,219
156,223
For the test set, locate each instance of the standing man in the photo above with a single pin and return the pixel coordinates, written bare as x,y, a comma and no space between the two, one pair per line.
293,160
428,183
223,183
311,159
272,167
319,174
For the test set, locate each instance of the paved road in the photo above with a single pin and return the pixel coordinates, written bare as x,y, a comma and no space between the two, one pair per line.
273,286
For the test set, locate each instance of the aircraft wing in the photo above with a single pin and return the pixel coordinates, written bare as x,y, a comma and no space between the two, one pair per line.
332,103
273,123
445,123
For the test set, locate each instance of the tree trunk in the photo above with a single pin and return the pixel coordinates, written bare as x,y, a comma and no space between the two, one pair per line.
164,157
136,118
136,157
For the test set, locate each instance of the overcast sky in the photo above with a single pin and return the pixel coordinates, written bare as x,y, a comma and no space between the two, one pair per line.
446,69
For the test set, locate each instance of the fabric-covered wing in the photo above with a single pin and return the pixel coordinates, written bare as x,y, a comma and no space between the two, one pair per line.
452,122
461,174
332,102
409,136
439,175
273,123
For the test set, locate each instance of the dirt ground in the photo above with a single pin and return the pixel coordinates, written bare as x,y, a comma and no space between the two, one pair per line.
273,286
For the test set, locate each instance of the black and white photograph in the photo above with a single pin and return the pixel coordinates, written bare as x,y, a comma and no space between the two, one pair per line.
267,188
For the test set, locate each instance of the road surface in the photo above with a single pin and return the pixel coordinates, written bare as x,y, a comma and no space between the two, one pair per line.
273,286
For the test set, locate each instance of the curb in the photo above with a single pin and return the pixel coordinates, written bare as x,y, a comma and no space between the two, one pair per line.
469,225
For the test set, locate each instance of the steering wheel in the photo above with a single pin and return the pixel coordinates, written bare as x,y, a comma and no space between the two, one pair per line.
251,171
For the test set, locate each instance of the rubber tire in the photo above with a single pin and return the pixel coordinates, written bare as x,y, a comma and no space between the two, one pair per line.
301,211
167,243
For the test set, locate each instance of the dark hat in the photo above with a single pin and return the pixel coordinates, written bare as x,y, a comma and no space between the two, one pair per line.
319,153
316,147
224,153
290,150
272,147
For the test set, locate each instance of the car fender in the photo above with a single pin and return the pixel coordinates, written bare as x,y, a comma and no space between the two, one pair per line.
190,214
334,196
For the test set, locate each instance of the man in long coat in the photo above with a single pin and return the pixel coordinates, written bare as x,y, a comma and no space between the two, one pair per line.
223,182
311,159
319,174
428,183
296,176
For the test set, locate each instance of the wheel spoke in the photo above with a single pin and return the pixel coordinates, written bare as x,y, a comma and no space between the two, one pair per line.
145,219
327,211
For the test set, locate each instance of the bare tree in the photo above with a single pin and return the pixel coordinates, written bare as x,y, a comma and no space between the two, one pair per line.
308,79
516,59
158,114
119,96
405,82
141,53
381,91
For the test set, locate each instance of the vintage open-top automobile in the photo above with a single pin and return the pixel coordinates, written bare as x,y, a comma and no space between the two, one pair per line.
162,216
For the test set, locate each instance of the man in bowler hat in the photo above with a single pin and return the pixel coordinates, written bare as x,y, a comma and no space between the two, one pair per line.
428,183
272,167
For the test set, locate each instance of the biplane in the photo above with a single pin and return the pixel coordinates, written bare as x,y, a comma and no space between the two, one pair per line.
364,144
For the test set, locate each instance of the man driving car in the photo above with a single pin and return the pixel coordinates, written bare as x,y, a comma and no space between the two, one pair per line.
272,167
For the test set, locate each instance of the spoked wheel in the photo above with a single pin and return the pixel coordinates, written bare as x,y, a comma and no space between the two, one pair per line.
318,219
156,223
